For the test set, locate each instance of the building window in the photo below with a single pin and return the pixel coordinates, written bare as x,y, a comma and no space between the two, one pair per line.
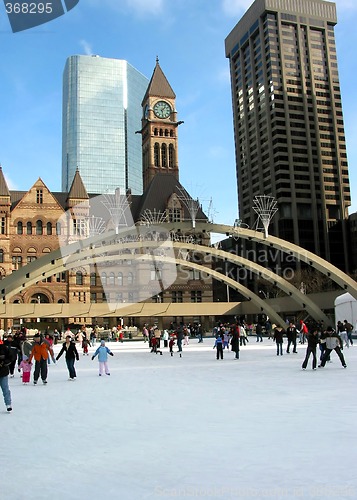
155,273
156,155
174,215
20,228
120,279
177,297
112,279
157,298
79,278
2,225
58,228
196,296
39,228
1,256
39,196
130,278
61,277
93,297
171,156
103,278
49,228
131,297
119,297
164,155
29,228
31,258
93,279
79,227
17,261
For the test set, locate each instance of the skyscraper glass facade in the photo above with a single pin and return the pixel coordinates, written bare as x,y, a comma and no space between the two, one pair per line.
288,122
101,113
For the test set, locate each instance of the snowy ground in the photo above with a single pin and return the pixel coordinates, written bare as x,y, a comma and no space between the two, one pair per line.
164,427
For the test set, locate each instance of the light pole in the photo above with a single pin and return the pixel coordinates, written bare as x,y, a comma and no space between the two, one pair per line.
39,302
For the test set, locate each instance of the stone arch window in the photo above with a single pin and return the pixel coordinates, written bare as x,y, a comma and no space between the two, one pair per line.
166,132
120,279
164,155
46,250
60,301
20,228
93,279
49,228
1,255
58,228
130,278
29,228
156,132
171,133
39,228
171,156
111,279
161,132
79,278
156,154
103,278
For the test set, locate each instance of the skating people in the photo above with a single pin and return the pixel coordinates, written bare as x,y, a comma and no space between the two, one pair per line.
303,332
171,345
291,333
69,347
5,360
312,342
259,331
26,367
40,352
349,329
333,343
278,337
155,346
85,345
102,353
218,345
13,350
235,341
243,339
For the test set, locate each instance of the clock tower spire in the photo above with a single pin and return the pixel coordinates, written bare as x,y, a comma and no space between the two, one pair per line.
159,128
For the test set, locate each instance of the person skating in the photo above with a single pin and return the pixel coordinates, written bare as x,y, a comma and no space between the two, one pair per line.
13,350
218,345
171,345
69,347
291,333
102,353
5,360
235,341
40,352
278,337
312,342
333,343
26,367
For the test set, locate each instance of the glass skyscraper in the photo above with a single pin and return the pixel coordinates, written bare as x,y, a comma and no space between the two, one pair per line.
101,113
288,122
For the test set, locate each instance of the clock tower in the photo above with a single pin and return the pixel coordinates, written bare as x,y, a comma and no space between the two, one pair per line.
159,128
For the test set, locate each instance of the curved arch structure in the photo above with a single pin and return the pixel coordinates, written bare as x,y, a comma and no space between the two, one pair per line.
88,251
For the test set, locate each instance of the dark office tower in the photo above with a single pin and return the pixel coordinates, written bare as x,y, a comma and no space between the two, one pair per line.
288,124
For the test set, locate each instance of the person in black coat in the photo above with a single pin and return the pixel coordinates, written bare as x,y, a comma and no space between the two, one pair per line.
5,360
13,347
278,337
312,342
69,347
235,340
291,333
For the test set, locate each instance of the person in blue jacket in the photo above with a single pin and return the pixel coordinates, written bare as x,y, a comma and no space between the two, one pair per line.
102,353
219,346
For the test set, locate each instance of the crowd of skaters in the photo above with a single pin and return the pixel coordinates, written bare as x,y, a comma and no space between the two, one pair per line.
18,349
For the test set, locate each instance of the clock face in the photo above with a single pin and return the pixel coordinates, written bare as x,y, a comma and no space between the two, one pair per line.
162,109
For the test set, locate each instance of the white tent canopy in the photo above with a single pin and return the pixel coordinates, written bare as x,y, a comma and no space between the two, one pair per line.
346,308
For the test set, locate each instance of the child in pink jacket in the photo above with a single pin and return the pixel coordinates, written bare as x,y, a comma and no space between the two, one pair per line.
25,366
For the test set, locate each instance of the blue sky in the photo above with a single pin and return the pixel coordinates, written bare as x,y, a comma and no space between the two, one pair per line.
188,37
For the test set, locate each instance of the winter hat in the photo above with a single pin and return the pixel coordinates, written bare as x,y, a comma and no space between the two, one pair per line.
102,342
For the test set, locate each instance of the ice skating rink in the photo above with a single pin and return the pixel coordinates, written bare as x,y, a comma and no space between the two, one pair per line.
162,427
